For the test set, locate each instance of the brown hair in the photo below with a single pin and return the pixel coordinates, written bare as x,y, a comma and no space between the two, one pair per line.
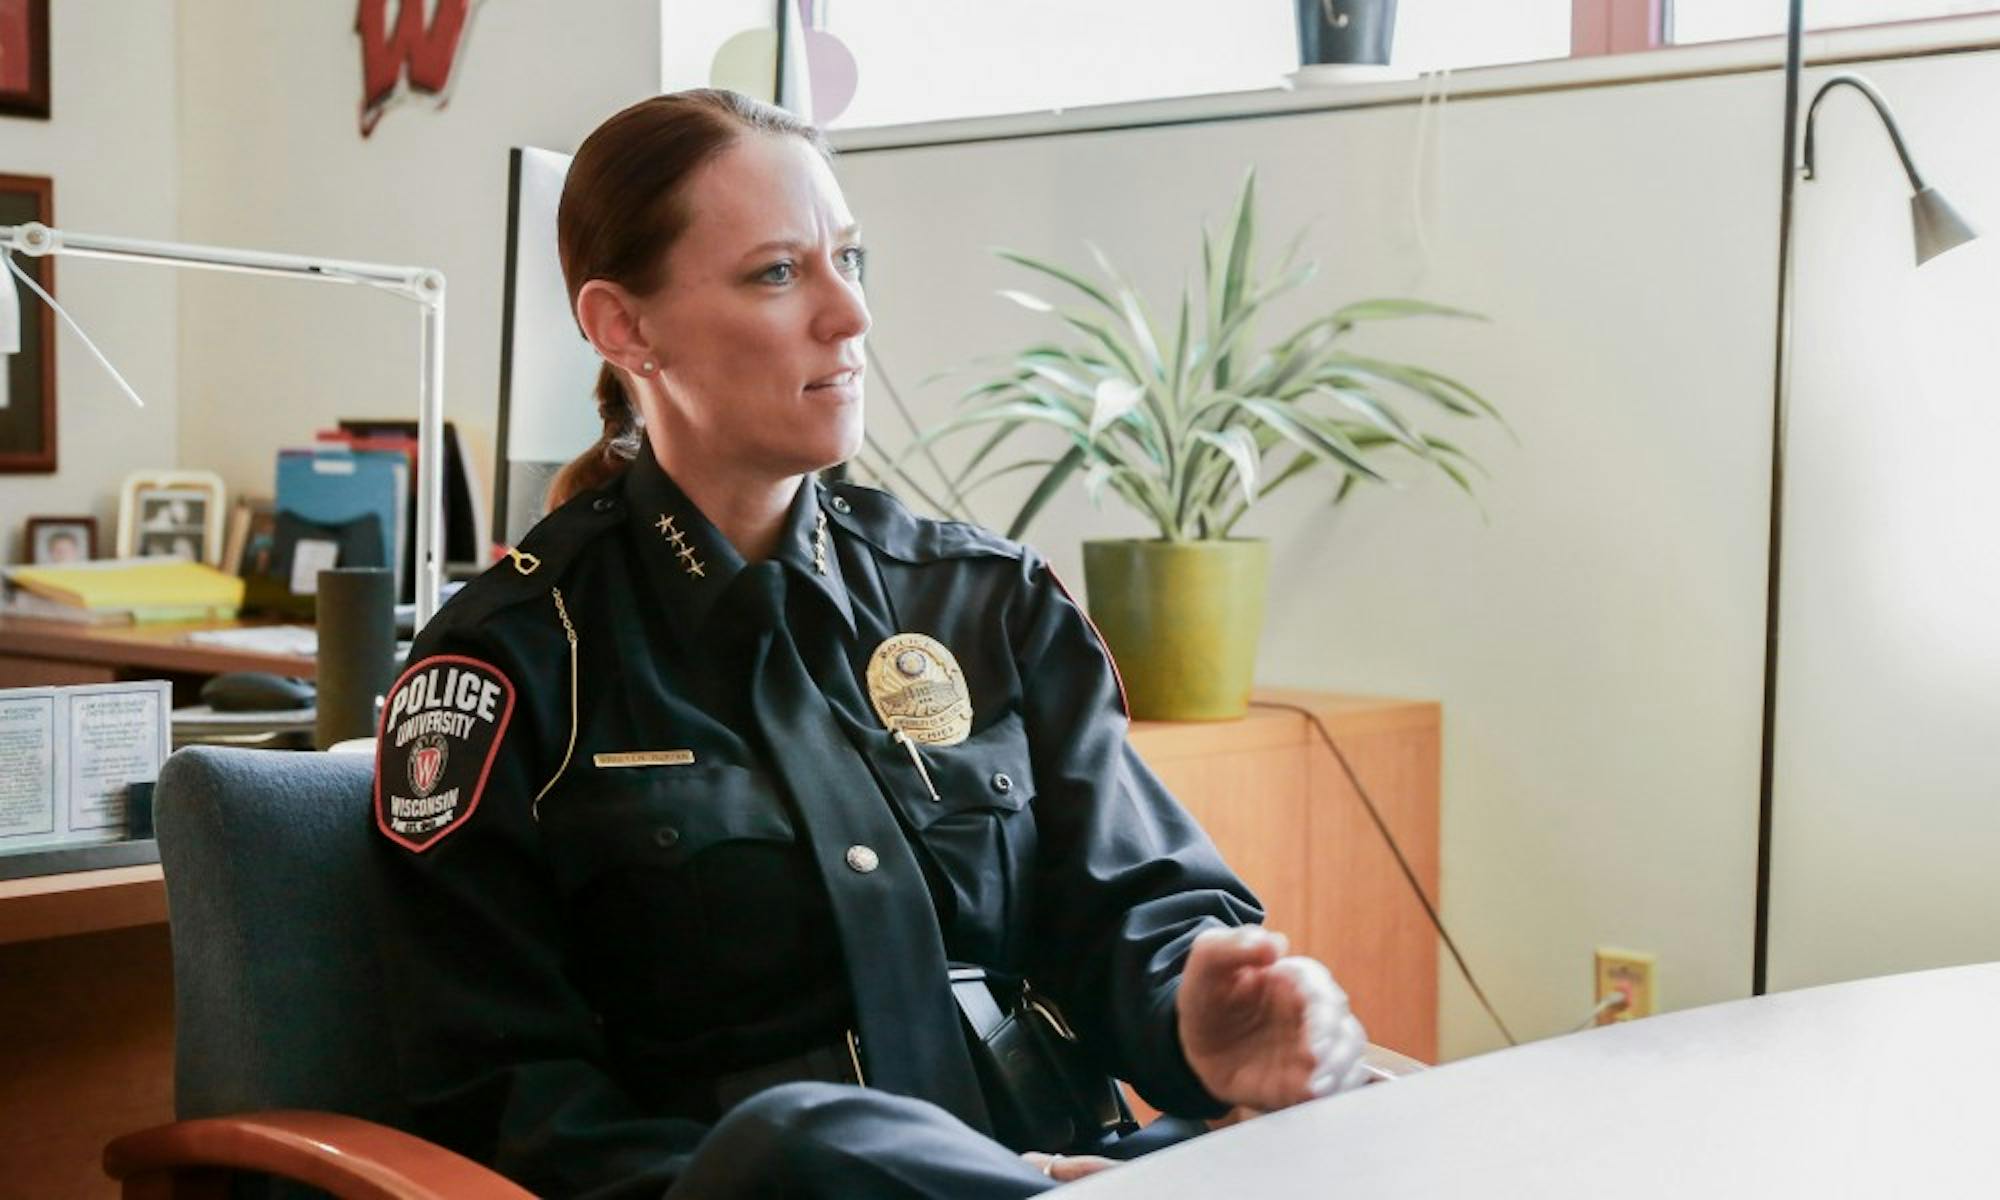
623,207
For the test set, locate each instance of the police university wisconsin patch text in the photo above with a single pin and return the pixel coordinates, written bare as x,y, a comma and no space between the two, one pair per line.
440,733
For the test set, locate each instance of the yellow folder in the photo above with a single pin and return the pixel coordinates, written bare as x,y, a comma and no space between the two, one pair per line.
154,583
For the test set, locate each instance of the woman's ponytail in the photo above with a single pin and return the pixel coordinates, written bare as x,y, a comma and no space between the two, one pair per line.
624,433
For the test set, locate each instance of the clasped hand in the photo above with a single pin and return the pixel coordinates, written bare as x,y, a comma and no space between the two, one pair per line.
1264,1030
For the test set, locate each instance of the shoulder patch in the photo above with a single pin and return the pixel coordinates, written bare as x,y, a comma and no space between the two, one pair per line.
441,731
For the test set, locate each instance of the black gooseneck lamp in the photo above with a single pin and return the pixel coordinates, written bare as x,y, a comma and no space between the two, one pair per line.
1938,228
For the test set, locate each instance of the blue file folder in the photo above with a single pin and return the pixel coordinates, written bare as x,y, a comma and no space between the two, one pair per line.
331,485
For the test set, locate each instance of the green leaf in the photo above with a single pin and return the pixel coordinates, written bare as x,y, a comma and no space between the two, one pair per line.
1315,436
1025,464
1025,300
1237,268
1394,309
1114,398
1241,448
1049,486
1094,480
1058,273
1377,414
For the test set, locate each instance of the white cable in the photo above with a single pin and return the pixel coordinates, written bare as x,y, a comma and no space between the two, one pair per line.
1429,145
68,320
1613,1002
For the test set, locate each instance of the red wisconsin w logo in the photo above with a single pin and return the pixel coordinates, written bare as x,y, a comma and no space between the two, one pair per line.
426,54
425,764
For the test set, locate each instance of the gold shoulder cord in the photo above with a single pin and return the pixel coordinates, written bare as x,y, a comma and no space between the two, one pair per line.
569,631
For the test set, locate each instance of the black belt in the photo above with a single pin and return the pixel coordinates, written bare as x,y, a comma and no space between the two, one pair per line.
839,1062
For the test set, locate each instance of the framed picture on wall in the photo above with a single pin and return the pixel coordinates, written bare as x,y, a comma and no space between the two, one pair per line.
24,58
52,541
171,514
28,379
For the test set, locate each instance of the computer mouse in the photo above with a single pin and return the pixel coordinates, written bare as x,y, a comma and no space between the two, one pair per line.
257,691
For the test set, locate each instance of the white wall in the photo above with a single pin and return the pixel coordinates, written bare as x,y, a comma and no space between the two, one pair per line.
1889,738
272,158
110,146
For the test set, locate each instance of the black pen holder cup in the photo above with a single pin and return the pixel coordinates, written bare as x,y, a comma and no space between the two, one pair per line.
357,650
1345,31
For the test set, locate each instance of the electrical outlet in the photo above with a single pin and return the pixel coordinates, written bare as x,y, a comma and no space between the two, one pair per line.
1626,971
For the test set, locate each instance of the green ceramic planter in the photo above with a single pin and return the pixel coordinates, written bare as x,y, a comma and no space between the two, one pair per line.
1182,620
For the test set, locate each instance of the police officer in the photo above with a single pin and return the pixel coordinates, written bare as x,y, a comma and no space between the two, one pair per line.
696,798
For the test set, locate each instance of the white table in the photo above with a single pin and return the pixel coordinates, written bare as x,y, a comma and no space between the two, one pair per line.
1878,1088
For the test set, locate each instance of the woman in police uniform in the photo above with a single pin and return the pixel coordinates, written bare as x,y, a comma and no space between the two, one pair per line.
696,798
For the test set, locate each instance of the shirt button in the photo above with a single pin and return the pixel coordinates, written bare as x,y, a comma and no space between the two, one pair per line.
665,836
1002,784
862,859
840,505
603,504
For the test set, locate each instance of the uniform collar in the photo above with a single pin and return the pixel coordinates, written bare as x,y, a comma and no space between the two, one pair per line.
693,563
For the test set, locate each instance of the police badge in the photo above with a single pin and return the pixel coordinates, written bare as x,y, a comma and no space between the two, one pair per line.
918,690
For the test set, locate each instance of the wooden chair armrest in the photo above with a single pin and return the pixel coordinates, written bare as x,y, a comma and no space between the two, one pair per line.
1383,1064
349,1157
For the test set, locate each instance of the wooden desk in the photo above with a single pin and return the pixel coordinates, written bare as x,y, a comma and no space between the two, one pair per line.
46,653
86,984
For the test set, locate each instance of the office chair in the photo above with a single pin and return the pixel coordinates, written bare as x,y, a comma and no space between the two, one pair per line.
282,1066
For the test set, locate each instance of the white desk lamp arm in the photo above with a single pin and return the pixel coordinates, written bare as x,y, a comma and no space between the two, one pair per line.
423,285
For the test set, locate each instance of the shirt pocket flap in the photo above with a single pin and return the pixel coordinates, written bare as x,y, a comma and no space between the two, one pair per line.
657,817
992,769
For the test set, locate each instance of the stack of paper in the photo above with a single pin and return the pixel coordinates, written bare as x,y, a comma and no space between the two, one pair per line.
148,589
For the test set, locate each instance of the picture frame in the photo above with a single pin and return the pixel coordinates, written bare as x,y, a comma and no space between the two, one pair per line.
177,514
53,541
28,379
24,58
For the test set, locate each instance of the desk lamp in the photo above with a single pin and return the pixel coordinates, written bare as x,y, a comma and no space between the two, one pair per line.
1938,228
420,284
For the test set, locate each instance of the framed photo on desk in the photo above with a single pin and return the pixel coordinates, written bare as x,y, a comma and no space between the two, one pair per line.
176,514
28,378
56,540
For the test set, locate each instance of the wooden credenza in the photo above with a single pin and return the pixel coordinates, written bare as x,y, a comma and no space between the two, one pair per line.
86,985
1286,819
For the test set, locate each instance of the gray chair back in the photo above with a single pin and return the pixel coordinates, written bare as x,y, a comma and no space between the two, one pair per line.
271,878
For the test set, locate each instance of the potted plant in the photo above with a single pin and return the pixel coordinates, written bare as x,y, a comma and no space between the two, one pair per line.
1192,426
1345,32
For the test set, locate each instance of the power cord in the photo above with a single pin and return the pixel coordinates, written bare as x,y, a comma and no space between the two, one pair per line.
1396,849
1615,1001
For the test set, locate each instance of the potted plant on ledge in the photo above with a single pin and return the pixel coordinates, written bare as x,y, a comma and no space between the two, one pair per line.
1192,427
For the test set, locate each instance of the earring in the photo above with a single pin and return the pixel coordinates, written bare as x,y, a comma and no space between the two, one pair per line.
647,367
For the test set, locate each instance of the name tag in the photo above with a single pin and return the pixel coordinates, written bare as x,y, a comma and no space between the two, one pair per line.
645,758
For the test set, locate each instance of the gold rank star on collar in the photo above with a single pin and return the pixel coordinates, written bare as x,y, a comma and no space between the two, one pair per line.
682,550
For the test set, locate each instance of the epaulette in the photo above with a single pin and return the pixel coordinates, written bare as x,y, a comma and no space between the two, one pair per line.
883,521
534,566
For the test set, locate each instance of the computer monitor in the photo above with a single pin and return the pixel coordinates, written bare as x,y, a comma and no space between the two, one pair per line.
548,372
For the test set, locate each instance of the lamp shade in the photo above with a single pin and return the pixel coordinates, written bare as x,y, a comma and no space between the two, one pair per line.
10,308
1938,225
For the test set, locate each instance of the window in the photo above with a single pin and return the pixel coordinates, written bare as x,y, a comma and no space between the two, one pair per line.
1719,20
943,59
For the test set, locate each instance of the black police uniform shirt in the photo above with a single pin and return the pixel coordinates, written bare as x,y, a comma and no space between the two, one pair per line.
605,905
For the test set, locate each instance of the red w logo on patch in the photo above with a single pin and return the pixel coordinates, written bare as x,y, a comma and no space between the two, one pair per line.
426,764
424,53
